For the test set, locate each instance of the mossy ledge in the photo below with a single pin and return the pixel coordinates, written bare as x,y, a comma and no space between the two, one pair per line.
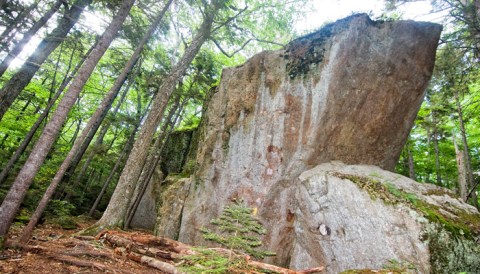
467,225
451,234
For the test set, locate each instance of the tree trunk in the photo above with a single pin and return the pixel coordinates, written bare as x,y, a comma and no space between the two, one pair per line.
436,151
26,141
19,188
126,150
77,129
411,164
12,54
20,80
85,143
113,92
90,182
152,160
466,152
115,214
81,151
462,172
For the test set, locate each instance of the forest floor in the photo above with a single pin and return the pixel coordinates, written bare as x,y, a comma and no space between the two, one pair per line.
54,250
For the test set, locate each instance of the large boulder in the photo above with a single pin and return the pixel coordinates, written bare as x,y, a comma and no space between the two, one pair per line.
348,92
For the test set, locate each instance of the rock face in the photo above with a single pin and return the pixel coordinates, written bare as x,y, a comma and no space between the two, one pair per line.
174,159
348,92
351,217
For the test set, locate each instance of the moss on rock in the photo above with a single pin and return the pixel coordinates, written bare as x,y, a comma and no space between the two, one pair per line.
451,253
451,233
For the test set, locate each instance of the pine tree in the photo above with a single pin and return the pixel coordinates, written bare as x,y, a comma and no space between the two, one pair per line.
237,228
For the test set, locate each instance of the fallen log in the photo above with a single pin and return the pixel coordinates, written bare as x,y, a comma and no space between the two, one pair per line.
91,253
130,245
152,262
147,240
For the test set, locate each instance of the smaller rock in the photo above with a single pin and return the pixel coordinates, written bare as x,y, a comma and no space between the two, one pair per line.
365,217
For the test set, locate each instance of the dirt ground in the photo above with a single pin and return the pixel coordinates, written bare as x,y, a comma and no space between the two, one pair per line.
53,250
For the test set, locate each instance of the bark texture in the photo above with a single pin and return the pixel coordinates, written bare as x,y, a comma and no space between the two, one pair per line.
348,92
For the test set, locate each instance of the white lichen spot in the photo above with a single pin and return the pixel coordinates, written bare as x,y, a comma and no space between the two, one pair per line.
269,171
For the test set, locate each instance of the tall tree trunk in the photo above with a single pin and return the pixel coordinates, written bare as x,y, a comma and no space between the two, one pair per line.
109,98
19,188
78,155
81,151
77,129
83,171
90,180
436,151
126,150
462,172
408,164
102,111
115,214
26,141
20,80
468,165
12,54
411,164
152,160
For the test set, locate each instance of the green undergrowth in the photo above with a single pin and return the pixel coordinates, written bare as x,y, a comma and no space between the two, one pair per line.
391,267
178,176
238,231
372,271
210,261
466,224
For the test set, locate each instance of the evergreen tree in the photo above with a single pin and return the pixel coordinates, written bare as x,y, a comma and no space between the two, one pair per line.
238,230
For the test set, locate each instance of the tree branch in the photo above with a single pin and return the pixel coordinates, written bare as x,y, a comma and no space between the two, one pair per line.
230,19
226,53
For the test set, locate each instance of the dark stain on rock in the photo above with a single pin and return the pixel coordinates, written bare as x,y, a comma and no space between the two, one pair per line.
290,216
309,50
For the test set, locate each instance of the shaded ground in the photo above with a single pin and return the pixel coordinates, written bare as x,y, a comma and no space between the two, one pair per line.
55,250
51,249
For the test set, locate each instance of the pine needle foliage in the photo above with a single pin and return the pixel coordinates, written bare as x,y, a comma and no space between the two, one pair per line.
238,230
211,261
